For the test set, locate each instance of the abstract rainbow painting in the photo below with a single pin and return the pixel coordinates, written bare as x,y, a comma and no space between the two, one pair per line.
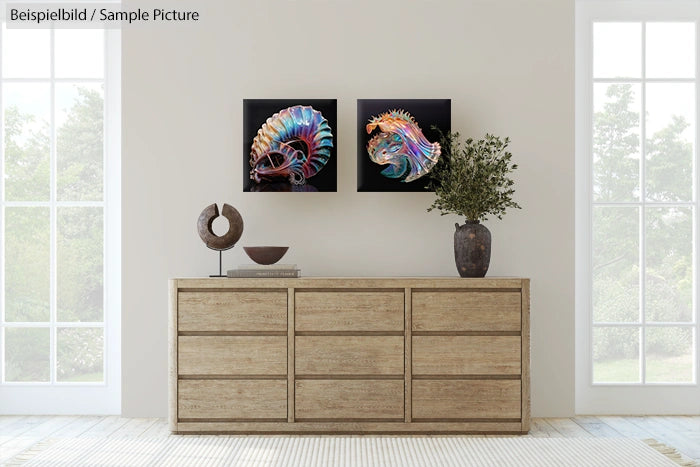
396,144
289,145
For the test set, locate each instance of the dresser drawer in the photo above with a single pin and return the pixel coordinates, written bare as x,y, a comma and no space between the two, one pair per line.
465,311
348,355
232,355
228,399
466,355
232,311
466,399
349,399
349,311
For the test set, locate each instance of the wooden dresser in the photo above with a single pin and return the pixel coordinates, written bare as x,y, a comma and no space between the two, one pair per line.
346,355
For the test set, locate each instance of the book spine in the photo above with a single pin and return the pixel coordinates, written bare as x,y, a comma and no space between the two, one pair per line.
267,267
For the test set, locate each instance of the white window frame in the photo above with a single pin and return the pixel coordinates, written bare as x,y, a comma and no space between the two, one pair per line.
629,398
103,398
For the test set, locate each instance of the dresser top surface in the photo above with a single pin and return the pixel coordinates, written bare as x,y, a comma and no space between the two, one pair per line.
354,282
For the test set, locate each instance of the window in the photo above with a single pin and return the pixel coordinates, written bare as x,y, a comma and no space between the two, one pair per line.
636,205
59,194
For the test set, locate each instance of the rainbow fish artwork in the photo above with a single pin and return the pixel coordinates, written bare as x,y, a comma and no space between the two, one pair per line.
293,144
402,146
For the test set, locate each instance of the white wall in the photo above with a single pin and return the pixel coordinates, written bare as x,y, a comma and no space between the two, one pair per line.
508,67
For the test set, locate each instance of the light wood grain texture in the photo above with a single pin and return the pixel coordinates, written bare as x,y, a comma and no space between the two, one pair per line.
354,427
668,433
45,428
466,311
84,423
356,399
9,420
172,354
352,283
80,425
213,399
597,428
134,428
232,355
525,351
541,429
465,355
623,426
349,311
290,354
569,428
105,427
158,430
466,399
347,355
407,355
232,311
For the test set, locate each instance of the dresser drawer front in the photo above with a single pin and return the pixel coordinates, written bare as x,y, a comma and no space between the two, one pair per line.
349,311
466,355
465,311
466,399
349,355
349,400
232,311
232,355
229,399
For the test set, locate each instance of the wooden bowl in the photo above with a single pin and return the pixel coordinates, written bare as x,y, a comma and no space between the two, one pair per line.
265,254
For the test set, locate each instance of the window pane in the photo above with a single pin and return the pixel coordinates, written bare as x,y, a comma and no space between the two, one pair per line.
615,355
27,354
615,264
670,136
18,45
27,147
79,145
670,50
616,148
79,264
617,50
79,354
79,53
669,355
27,237
669,265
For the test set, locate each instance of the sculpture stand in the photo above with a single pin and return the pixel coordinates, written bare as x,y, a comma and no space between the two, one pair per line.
221,272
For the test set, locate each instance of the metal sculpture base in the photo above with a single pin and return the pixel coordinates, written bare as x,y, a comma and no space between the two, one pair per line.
221,272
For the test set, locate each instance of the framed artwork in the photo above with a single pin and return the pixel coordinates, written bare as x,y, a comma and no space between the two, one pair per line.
396,146
289,145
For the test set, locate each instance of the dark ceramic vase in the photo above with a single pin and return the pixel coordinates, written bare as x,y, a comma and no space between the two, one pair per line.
472,249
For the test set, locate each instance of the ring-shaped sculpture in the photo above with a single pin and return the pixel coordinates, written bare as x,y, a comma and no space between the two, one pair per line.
220,242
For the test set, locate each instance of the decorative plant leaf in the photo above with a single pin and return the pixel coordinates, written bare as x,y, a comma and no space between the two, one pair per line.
471,178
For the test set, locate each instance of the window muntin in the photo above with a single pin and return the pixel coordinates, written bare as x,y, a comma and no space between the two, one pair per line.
643,203
52,294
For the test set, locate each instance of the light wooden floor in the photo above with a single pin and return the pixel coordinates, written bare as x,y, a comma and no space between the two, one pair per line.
17,433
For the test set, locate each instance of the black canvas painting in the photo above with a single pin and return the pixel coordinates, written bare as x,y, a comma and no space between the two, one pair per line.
396,146
289,145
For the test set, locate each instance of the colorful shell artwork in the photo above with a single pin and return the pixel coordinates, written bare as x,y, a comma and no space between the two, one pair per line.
402,146
294,144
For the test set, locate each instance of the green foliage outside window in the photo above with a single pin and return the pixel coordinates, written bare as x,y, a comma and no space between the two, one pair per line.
616,266
79,241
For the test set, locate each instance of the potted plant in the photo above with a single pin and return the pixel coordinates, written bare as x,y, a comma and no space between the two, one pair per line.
472,180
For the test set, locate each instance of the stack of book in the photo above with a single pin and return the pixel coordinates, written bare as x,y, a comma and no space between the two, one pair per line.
265,270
